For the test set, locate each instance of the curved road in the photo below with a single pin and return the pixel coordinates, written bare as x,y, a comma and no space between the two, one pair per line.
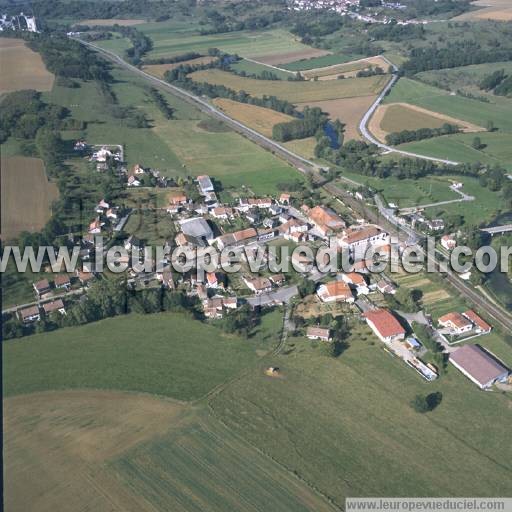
363,125
306,166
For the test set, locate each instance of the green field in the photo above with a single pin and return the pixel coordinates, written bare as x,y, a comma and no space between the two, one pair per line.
173,38
463,77
204,466
363,438
183,358
295,92
257,68
235,161
497,150
319,62
438,100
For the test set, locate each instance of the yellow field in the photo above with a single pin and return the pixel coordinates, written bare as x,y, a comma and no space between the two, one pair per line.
110,22
21,68
159,70
395,117
303,147
111,451
348,110
499,10
26,196
258,118
347,69
295,92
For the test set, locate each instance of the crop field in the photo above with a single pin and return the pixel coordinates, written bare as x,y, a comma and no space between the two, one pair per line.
317,62
499,10
432,98
172,38
295,92
22,68
348,69
258,118
27,195
395,117
348,110
98,448
159,70
303,147
251,66
235,161
365,439
182,359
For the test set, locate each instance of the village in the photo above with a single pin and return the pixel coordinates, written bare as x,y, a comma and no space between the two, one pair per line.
249,224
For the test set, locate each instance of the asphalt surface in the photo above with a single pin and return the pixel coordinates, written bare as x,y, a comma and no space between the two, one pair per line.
501,317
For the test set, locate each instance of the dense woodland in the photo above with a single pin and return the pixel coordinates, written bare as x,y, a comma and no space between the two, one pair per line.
403,136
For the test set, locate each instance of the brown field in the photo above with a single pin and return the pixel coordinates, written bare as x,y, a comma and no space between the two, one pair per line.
295,92
347,110
258,118
109,22
395,117
437,295
312,306
26,195
109,451
56,445
158,70
21,68
303,147
347,69
499,10
283,58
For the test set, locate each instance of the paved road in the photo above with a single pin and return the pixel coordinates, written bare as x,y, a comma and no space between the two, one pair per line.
363,127
284,295
306,166
464,197
15,308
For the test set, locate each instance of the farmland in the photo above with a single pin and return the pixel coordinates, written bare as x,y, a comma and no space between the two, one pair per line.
499,10
22,68
395,117
349,69
365,439
258,118
251,66
109,22
295,92
182,359
317,62
159,70
27,196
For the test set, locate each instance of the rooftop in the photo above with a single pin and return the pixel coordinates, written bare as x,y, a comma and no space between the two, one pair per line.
384,322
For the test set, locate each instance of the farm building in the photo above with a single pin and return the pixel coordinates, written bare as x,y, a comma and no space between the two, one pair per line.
325,220
456,323
197,228
318,333
479,366
205,184
385,325
359,239
236,237
335,291
480,324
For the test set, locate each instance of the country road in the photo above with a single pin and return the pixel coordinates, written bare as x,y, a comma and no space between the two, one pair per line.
306,166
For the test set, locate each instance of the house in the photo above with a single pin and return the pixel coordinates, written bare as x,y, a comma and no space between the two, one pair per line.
296,237
213,313
386,287
166,279
178,199
84,277
205,184
62,281
252,216
293,226
456,323
335,291
246,204
359,239
325,220
479,323
230,302
27,315
95,226
358,281
318,333
201,292
258,284
41,287
448,242
236,237
102,206
434,224
284,198
183,240
213,281
198,228
55,305
277,279
222,213
385,326
133,182
274,209
112,214
478,366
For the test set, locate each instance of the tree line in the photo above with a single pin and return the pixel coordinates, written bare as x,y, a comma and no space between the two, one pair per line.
312,120
395,138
